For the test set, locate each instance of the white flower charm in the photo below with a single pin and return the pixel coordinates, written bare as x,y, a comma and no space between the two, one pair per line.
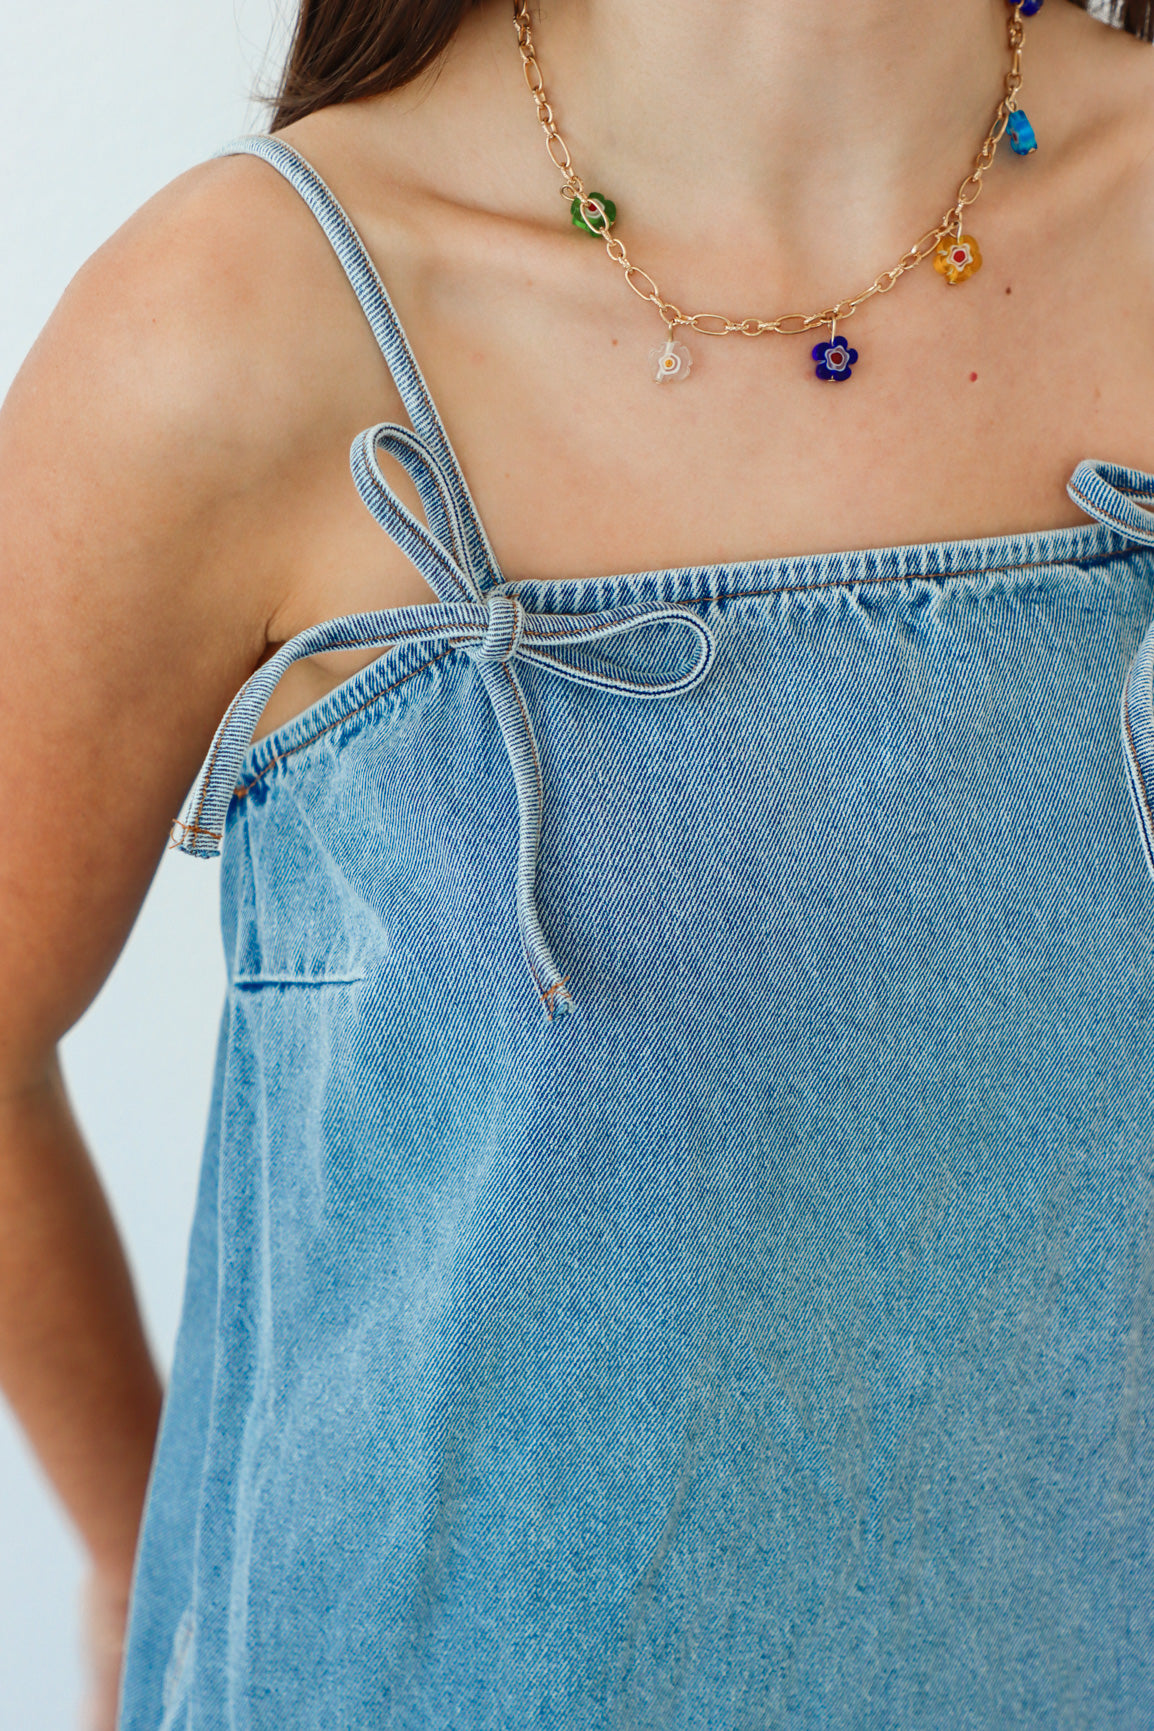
671,361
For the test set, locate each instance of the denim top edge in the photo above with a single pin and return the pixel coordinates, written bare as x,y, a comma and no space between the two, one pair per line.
710,588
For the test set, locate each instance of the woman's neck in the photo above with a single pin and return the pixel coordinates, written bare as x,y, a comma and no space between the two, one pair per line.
825,128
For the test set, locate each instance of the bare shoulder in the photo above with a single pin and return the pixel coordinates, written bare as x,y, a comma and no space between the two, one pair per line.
203,310
147,395
208,362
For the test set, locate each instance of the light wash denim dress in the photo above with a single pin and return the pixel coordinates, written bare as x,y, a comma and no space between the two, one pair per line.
675,1249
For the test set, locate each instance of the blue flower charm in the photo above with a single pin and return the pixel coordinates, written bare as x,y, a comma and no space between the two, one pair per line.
835,360
1023,140
1030,8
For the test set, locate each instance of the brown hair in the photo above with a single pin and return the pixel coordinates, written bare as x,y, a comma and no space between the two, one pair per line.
1136,16
342,49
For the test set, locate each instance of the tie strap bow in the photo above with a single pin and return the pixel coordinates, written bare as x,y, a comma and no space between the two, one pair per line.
497,631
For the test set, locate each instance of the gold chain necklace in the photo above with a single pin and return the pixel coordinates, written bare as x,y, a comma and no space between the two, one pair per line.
957,256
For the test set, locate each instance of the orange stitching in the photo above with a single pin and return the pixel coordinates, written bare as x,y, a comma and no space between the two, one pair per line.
241,792
187,829
213,755
346,715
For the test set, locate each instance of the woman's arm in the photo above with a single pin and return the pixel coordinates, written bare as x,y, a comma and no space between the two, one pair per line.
142,451
73,1357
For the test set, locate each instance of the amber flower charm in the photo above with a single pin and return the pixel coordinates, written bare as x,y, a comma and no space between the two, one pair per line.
958,259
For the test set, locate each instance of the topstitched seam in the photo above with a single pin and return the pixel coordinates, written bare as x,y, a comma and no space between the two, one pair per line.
193,826
1085,562
1136,764
346,715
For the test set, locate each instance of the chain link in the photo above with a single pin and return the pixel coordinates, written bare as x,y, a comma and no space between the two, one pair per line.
791,324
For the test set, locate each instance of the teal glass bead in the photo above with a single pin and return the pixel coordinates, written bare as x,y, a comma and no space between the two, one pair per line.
1023,140
593,224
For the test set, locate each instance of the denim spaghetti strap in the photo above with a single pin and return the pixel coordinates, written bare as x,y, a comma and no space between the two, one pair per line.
1123,499
476,613
431,444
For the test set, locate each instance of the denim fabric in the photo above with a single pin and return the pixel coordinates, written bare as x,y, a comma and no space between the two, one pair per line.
769,1342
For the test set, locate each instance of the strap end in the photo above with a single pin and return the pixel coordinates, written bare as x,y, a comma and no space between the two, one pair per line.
194,839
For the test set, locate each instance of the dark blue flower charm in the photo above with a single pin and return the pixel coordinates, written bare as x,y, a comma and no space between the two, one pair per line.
835,360
1030,8
1023,139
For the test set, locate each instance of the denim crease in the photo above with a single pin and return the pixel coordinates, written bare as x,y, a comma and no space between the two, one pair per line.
770,1340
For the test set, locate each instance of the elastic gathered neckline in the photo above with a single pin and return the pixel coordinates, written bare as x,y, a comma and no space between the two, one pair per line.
712,588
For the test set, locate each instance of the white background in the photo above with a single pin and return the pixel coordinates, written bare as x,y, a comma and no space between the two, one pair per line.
102,103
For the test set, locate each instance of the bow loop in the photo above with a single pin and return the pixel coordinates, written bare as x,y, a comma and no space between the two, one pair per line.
566,644
440,549
497,631
1119,498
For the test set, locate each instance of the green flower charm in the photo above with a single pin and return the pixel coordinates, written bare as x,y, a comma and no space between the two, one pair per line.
586,213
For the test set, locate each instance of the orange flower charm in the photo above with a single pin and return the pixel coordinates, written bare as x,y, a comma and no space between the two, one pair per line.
958,259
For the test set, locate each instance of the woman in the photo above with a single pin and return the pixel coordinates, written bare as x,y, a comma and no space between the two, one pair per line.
768,1342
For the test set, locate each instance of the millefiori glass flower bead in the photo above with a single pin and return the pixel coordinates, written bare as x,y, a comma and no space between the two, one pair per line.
670,362
1022,137
586,213
958,258
835,360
